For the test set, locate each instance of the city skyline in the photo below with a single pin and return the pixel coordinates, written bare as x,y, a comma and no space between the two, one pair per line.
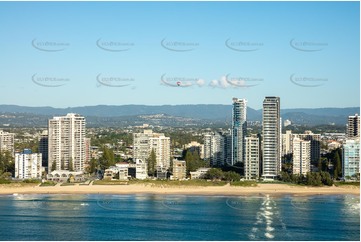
115,58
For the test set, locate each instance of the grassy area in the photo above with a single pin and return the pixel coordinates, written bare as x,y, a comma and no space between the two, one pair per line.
244,183
67,184
47,184
109,182
338,184
168,183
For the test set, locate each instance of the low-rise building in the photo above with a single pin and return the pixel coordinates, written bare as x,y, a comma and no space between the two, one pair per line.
179,170
199,173
28,165
66,175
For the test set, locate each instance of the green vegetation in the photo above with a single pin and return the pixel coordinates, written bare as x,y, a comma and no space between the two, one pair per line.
193,161
218,174
67,184
107,182
48,184
311,179
244,183
7,164
107,159
169,183
152,160
338,184
36,181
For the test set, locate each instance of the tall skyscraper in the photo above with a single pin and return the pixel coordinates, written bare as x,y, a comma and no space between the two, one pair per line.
353,126
287,142
28,165
7,142
66,142
351,159
239,130
43,147
271,133
252,158
315,143
144,143
301,156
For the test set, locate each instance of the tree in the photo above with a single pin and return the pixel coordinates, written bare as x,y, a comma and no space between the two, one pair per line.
152,160
62,165
70,165
53,166
92,166
107,159
214,174
231,176
337,167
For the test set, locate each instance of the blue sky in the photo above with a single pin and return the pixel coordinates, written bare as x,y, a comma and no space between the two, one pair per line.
66,54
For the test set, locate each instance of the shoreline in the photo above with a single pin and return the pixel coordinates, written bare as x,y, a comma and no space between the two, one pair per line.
260,189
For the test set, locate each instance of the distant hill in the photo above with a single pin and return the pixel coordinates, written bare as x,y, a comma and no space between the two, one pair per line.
210,112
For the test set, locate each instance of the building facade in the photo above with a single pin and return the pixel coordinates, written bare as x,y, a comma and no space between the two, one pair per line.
239,130
252,158
351,159
217,148
179,170
271,133
301,156
7,142
28,165
43,147
353,126
144,143
66,146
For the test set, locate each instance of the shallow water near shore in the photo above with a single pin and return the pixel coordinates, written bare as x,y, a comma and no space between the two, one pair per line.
179,217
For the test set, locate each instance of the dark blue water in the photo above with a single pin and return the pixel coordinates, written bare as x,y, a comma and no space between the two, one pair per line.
158,217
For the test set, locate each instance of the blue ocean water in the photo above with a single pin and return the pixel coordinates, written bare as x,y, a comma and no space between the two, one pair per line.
178,217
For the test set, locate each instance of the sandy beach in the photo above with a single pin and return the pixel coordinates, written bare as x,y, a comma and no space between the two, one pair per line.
227,190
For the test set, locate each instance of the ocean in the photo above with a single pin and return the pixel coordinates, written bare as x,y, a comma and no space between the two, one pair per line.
179,217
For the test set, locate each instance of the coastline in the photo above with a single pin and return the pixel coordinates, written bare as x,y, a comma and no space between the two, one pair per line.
264,189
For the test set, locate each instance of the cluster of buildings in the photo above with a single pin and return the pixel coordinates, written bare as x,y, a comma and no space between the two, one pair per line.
261,155
66,152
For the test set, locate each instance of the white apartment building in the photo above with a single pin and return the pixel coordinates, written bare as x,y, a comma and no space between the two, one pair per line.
271,132
252,158
66,142
144,143
217,148
28,165
301,156
7,142
287,142
239,130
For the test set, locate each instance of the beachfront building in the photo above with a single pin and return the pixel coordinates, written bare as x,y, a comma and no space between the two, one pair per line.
239,130
144,143
28,165
138,170
301,156
117,172
353,126
252,158
43,147
7,142
351,159
66,176
218,148
66,147
199,173
315,142
287,143
271,133
179,170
